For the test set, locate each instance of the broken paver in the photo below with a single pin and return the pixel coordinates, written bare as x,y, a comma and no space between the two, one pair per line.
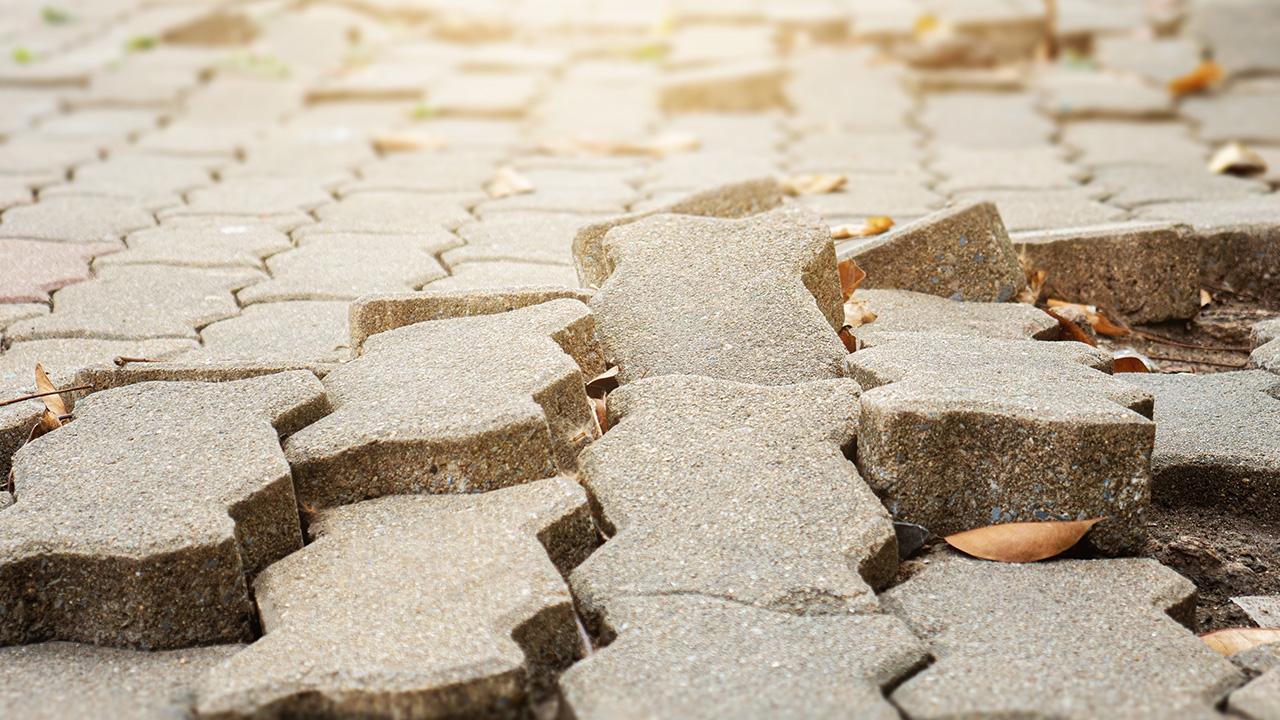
344,267
75,220
433,607
201,498
734,491
1061,439
903,311
755,300
1067,639
234,245
962,252
703,657
453,406
111,306
30,270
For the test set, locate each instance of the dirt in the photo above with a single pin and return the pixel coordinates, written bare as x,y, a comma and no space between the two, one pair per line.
1217,340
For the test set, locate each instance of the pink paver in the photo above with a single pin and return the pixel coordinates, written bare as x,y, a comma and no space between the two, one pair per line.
30,270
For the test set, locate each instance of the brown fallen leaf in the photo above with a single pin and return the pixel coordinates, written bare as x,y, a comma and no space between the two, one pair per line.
856,313
53,403
604,383
1021,542
508,182
1030,294
813,184
1068,330
1205,76
1130,365
1097,321
601,414
407,142
871,227
1230,641
1236,159
849,339
1205,298
851,276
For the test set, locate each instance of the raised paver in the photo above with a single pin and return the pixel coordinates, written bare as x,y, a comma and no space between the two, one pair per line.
75,220
734,491
51,681
232,245
702,657
1266,331
1217,440
903,311
431,607
754,300
962,252
137,302
1134,272
453,406
1066,639
344,267
300,331
1060,437
201,497
30,270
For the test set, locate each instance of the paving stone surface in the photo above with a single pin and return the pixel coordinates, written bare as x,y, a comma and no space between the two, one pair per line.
524,368
1259,700
902,313
1069,638
75,220
231,245
740,492
305,330
344,267
203,499
480,575
30,270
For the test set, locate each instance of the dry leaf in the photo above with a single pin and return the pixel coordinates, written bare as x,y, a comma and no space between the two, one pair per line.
847,337
1206,75
872,226
1021,542
851,276
407,142
1233,640
815,184
604,383
1035,280
1096,320
601,414
1068,330
52,403
1205,298
508,182
857,314
1130,365
1236,159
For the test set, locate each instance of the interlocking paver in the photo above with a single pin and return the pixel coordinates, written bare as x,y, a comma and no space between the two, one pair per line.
75,219
1031,167
1079,94
1259,700
14,191
566,191
504,273
344,267
702,657
856,152
1160,59
152,181
900,197
392,213
194,246
1241,33
814,74
481,403
903,311
685,172
201,497
1238,116
1131,185
972,257
471,608
425,172
748,86
62,358
252,197
989,120
1051,208
30,270
734,491
519,236
1106,142
755,300
1069,639
301,331
106,126
137,302
1061,438
317,158
484,94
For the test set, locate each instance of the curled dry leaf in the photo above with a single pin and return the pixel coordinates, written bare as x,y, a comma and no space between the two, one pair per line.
1236,159
1205,76
508,182
1021,542
1030,295
1097,321
849,339
604,383
814,184
1068,331
407,142
871,227
1205,298
851,276
600,406
1230,641
857,314
1131,365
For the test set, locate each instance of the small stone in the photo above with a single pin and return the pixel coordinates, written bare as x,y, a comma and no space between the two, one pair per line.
344,267
472,611
962,252
75,220
454,406
903,311
153,449
30,270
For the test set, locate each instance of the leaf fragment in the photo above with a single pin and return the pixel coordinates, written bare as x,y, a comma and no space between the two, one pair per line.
506,181
857,314
1030,294
1236,159
1206,299
1021,542
851,276
604,383
1068,331
600,406
1206,75
52,403
1097,320
849,339
870,227
813,184
1230,641
1130,365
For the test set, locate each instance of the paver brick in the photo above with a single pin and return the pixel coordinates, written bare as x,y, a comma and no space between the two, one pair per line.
520,236
201,497
30,270
75,220
252,196
1242,34
703,657
903,311
754,300
1238,116
453,406
988,120
391,213
1105,142
1267,357
1159,59
1133,185
104,125
868,195
14,191
152,181
733,491
749,86
1079,94
1060,437
688,172
299,331
209,246
856,152
432,607
565,191
503,274
1051,208
1031,167
1259,700
449,172
344,267
484,94
1067,639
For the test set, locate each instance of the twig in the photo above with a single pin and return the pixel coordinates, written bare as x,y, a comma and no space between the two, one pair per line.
1167,341
123,359
25,398
1199,362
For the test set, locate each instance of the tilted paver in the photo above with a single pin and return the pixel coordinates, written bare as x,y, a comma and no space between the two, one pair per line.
56,680
734,491
231,245
30,270
1217,440
344,267
702,657
755,300
1067,639
432,607
137,302
75,220
962,252
1060,437
453,406
201,497
903,311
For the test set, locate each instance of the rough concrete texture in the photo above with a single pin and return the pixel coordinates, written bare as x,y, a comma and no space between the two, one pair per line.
392,213
430,607
104,376
703,657
380,312
962,253
754,300
30,270
201,499
903,311
344,267
519,236
741,492
1217,440
1263,332
231,245
75,220
56,681
301,331
503,273
1064,639
454,406
1267,357
1061,439
1133,272
1259,700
